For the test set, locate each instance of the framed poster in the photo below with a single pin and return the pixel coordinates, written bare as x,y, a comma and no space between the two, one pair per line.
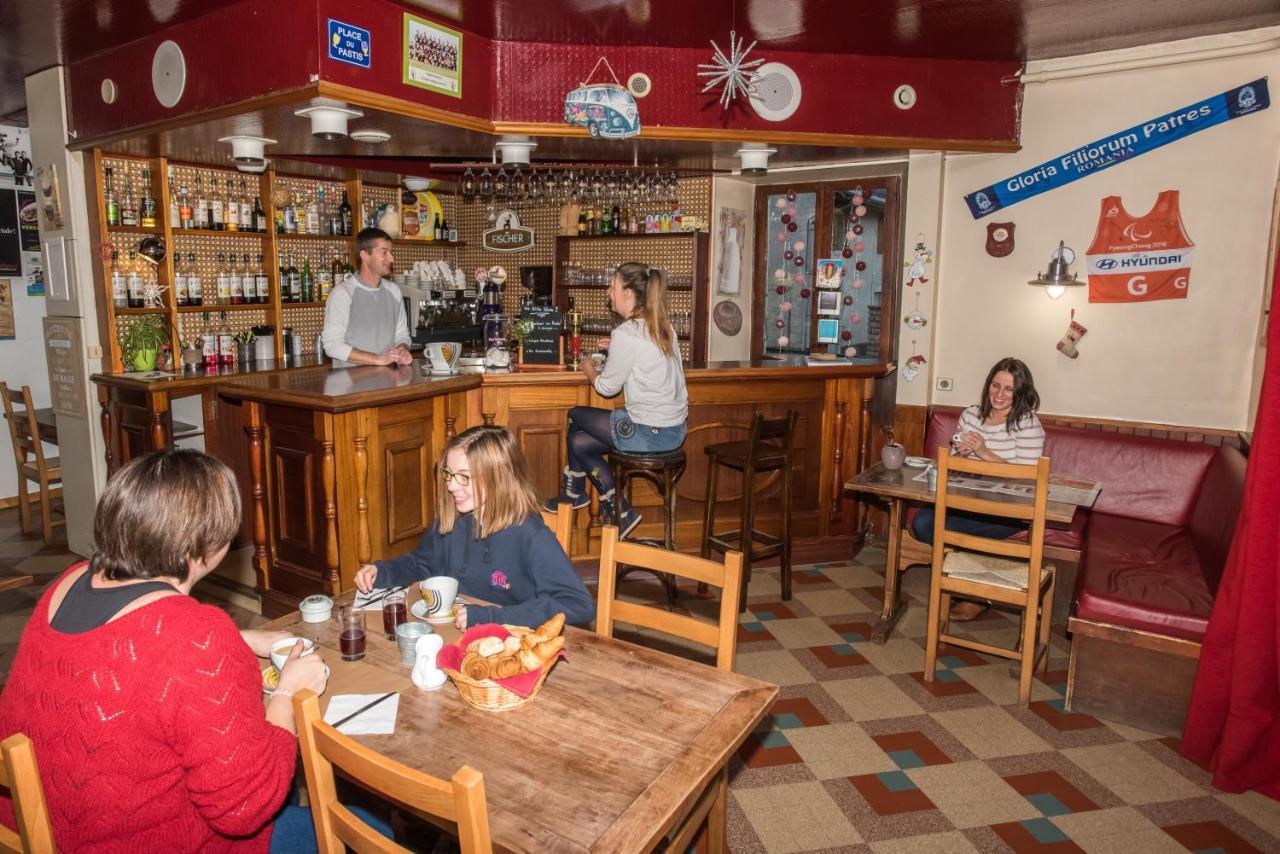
64,356
50,199
828,303
10,239
733,228
432,56
829,273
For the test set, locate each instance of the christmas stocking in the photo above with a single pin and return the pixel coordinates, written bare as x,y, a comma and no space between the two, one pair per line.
1068,343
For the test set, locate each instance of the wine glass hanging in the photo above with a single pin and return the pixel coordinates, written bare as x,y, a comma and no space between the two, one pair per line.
578,186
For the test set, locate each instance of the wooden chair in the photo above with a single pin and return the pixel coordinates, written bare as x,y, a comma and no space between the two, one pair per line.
722,636
460,801
1015,573
28,455
560,523
18,773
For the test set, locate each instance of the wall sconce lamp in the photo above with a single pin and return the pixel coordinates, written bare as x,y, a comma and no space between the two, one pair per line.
152,250
1057,279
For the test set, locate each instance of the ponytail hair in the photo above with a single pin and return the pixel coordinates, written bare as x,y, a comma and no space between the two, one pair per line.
651,302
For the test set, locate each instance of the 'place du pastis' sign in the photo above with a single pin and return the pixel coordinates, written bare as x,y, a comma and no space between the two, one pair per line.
507,235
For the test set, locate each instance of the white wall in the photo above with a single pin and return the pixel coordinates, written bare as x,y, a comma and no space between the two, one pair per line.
922,221
739,195
1184,362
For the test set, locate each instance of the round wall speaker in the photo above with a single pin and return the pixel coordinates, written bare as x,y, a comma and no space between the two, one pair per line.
776,93
168,73
639,84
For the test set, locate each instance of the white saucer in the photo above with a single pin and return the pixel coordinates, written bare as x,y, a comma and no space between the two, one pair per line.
419,610
916,462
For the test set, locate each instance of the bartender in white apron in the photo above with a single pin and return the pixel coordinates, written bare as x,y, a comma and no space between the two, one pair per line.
364,318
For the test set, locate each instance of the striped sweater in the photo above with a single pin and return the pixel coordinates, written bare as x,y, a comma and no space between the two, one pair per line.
1023,445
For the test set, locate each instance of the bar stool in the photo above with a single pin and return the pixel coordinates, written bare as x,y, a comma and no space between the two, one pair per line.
663,469
769,448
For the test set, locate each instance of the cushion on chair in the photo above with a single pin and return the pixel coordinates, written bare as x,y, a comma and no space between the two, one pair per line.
1005,572
1145,576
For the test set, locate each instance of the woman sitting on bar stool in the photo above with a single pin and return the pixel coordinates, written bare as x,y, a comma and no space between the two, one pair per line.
644,363
1003,428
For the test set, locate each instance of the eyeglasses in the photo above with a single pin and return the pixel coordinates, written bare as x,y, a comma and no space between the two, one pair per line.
463,478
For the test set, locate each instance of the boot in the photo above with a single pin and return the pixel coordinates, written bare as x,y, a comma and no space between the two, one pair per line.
573,489
618,512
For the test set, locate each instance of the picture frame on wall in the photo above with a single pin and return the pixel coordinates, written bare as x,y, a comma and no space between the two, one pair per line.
828,304
828,273
828,330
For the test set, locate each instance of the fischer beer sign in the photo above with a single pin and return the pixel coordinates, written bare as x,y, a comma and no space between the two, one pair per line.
508,235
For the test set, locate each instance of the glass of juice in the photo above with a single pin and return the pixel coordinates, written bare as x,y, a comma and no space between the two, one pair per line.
351,637
394,612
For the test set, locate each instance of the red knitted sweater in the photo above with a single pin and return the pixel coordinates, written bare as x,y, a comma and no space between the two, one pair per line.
149,731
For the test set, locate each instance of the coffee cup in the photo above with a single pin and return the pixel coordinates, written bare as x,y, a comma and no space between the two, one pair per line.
280,650
443,357
438,592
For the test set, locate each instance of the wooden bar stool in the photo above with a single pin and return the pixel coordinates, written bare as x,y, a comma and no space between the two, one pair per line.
768,449
663,469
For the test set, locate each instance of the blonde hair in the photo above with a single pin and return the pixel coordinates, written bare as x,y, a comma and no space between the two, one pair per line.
500,477
651,302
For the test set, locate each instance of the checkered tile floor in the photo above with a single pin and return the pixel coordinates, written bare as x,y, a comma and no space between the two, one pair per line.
859,754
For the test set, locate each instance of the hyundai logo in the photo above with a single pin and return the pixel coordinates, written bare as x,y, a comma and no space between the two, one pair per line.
1107,264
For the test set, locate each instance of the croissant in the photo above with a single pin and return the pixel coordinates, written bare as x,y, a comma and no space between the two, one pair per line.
476,667
505,666
547,650
529,659
551,628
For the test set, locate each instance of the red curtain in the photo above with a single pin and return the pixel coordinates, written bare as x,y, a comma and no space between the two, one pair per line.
1234,719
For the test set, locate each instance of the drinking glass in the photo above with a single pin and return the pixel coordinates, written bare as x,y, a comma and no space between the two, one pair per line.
394,612
351,634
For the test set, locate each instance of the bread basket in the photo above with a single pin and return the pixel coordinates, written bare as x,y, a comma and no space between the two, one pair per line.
489,696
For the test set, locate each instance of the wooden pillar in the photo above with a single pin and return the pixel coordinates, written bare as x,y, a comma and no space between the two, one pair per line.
253,413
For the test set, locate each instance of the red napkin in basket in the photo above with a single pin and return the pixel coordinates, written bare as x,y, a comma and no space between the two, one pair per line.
451,657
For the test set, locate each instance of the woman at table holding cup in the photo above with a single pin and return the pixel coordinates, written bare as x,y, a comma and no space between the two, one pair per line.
144,706
1002,428
489,535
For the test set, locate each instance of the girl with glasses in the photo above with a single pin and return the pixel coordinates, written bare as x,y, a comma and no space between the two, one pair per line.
489,535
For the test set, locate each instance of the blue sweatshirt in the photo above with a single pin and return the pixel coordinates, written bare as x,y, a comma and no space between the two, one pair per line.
521,569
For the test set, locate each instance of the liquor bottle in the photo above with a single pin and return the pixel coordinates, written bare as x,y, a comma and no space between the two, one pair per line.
582,223
257,216
633,226
128,211
307,288
135,282
617,224
313,215
246,210
295,281
677,219
235,284
606,222
452,233
344,214
224,286
175,212
195,294
226,343
181,290
185,215
290,218
324,281
217,207
147,216
232,213
113,204
209,344
200,214
264,284
119,292
437,230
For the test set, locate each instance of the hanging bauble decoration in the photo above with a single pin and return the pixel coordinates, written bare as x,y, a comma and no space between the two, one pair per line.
798,246
858,198
791,226
855,318
860,266
851,351
783,341
848,300
786,306
860,210
858,229
798,278
782,235
786,218
858,282
791,195
846,252
846,335
788,255
799,261
792,211
778,323
733,70
779,274
781,289
804,293
859,245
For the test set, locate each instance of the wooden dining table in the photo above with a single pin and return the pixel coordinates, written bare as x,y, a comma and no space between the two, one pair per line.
899,487
610,754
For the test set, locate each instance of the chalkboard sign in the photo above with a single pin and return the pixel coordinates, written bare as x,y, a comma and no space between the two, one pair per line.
542,344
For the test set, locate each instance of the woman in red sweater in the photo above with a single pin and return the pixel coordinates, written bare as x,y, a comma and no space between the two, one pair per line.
144,706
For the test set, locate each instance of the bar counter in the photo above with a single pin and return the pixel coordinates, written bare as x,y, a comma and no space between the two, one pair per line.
338,467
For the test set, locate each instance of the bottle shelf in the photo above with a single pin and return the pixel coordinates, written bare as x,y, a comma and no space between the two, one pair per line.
212,307
628,236
312,304
137,229
427,244
161,310
606,287
213,232
286,236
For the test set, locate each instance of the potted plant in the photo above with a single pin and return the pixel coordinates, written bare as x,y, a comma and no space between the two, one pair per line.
520,329
140,341
244,345
192,351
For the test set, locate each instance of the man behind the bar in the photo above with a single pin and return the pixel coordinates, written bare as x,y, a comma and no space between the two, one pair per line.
364,318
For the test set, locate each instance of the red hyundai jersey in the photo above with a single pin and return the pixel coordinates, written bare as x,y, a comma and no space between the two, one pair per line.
1139,259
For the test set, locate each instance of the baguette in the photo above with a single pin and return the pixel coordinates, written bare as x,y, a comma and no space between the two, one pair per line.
529,659
547,650
551,628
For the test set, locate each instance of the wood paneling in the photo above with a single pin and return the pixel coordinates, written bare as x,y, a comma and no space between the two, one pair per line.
407,464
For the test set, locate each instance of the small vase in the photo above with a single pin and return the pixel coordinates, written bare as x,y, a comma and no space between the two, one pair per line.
192,356
244,352
892,456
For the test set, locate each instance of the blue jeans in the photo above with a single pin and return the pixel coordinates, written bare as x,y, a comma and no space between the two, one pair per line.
991,527
295,833
593,432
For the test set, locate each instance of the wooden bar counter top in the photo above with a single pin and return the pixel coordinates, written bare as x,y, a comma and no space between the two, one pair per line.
338,466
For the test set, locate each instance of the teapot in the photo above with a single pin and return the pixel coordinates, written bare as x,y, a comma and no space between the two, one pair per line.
443,357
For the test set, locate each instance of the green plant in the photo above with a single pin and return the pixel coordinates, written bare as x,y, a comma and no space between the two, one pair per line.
245,336
521,327
145,334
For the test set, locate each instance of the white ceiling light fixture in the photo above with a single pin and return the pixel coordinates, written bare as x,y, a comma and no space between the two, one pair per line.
418,185
328,121
249,150
254,168
372,137
516,149
754,157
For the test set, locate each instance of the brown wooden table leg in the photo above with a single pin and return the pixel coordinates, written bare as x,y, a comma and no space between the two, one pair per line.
893,608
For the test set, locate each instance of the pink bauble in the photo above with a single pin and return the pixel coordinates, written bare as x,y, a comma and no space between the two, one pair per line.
858,199
798,246
798,278
779,202
791,209
786,306
855,318
848,235
779,274
857,283
851,351
804,293
860,210
859,245
782,235
783,340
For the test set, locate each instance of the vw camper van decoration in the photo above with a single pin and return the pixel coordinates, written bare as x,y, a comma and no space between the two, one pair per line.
606,110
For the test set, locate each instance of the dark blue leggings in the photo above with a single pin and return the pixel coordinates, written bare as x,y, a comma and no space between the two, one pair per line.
991,527
589,438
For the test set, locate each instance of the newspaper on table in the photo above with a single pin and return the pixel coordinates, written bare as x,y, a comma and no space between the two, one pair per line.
1062,488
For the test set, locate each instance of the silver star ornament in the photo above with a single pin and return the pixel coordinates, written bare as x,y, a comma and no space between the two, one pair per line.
734,72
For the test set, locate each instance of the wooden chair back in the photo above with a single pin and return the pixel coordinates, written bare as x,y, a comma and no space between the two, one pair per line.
727,576
23,429
19,774
948,499
460,800
771,435
560,523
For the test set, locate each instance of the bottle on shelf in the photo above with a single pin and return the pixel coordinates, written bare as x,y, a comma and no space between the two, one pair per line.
307,289
313,215
619,225
582,223
226,343
282,274
195,295
232,213
175,213
147,216
264,284
181,289
324,281
223,285
451,233
185,216
208,344
246,209
677,219
344,214
217,207
134,286
128,211
112,203
290,217
295,281
200,217
336,268
119,291
437,232
259,216
235,284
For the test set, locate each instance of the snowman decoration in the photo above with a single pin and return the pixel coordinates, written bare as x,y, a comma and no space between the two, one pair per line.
912,368
915,268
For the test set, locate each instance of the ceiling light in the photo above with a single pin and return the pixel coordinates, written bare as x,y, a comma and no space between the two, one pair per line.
328,121
516,149
248,149
373,137
254,168
418,185
754,157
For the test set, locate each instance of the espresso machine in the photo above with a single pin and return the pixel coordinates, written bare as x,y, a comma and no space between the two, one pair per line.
446,315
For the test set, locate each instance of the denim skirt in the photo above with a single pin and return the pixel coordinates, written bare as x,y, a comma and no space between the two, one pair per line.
629,435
